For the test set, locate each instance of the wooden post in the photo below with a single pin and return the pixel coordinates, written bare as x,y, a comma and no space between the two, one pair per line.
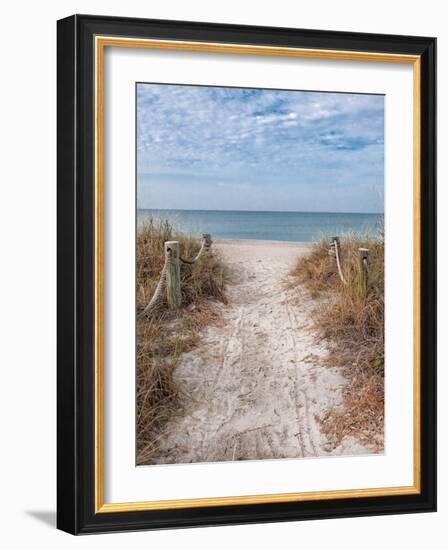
363,259
208,240
173,275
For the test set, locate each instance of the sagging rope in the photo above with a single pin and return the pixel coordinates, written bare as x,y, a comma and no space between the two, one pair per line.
198,255
159,288
335,244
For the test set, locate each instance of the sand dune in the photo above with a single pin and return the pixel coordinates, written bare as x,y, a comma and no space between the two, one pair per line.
254,388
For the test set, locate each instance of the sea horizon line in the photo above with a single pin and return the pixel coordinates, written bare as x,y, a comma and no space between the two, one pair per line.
256,211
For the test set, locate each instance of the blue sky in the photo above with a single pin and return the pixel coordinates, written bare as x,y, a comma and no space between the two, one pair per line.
216,148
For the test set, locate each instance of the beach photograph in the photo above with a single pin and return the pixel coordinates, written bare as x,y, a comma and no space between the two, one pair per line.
259,274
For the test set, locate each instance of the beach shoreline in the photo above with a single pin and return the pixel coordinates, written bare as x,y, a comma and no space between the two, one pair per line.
263,242
276,226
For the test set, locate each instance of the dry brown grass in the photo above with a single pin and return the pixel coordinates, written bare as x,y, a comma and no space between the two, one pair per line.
352,323
164,336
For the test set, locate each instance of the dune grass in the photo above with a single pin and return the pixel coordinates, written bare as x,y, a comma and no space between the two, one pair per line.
165,335
352,323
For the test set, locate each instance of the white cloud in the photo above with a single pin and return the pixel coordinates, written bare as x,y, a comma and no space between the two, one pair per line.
292,138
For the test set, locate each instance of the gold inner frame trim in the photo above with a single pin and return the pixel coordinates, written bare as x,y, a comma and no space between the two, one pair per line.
101,42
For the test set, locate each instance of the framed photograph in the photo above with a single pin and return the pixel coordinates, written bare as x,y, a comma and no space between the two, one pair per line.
246,274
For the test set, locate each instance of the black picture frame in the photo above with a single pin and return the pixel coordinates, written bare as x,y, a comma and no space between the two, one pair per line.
76,270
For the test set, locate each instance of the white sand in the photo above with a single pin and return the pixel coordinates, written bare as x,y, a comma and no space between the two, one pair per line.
254,388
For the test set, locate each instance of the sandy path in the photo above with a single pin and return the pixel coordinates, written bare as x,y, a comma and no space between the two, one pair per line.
254,388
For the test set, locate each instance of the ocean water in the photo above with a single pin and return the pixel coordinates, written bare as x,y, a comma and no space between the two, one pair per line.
275,226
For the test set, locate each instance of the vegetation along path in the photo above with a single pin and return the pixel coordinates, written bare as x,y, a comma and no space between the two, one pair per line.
254,388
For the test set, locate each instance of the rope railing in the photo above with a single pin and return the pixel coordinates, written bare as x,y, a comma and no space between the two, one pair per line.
170,275
206,244
335,249
156,297
336,245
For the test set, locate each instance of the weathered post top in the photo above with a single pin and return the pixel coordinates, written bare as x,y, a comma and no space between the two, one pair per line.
207,239
336,243
172,246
